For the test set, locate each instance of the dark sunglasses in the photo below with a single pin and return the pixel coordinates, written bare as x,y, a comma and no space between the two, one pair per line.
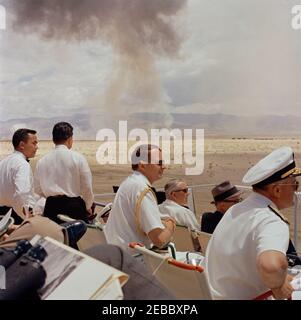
160,163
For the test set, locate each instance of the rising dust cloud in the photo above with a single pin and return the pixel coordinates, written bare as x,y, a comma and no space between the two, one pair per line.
137,30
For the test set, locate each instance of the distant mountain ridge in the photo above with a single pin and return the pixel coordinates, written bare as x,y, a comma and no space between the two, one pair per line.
86,126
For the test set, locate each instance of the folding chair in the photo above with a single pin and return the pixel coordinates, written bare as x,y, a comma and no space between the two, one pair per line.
93,236
203,238
182,239
185,281
190,199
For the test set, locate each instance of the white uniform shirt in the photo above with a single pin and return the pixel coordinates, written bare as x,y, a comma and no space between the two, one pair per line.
182,215
246,230
16,183
64,172
121,228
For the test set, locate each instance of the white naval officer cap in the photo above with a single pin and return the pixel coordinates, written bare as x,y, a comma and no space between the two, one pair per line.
276,166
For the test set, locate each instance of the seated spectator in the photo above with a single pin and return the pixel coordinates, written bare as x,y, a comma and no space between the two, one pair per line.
135,215
225,196
175,205
246,256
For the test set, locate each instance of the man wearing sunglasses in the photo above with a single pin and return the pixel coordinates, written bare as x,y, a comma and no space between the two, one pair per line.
246,256
135,215
224,197
175,205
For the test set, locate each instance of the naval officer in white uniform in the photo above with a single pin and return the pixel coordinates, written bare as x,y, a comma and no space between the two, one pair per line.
246,256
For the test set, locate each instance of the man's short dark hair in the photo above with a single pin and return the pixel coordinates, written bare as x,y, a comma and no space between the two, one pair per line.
61,132
21,135
142,153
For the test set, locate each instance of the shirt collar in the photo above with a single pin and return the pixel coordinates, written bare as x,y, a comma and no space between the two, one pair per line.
168,201
261,200
61,146
20,154
173,203
142,177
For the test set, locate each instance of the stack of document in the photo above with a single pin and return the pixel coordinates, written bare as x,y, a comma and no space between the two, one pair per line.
73,275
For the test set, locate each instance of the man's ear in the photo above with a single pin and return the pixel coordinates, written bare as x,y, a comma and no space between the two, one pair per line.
70,142
276,191
171,195
141,165
21,145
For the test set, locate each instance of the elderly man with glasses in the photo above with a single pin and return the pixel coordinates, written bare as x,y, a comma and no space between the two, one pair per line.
246,256
175,205
225,196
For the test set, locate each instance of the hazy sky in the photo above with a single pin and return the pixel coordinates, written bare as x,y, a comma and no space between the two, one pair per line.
205,56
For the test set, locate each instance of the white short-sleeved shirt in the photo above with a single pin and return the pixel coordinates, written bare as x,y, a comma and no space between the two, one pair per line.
121,228
182,215
16,183
246,230
64,172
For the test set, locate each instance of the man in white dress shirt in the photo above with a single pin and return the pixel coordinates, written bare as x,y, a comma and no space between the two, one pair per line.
246,255
64,178
16,180
135,215
175,205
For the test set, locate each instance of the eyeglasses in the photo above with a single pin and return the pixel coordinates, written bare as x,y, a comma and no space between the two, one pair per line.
184,190
159,163
296,184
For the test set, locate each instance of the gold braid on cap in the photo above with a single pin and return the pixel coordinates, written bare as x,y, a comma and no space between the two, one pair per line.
293,172
287,173
138,208
297,172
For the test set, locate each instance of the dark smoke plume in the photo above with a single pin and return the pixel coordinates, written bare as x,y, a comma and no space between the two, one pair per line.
137,30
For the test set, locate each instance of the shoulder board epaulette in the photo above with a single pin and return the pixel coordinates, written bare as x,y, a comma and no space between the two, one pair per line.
278,214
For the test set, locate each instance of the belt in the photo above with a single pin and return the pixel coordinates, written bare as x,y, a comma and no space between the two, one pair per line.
58,196
63,196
